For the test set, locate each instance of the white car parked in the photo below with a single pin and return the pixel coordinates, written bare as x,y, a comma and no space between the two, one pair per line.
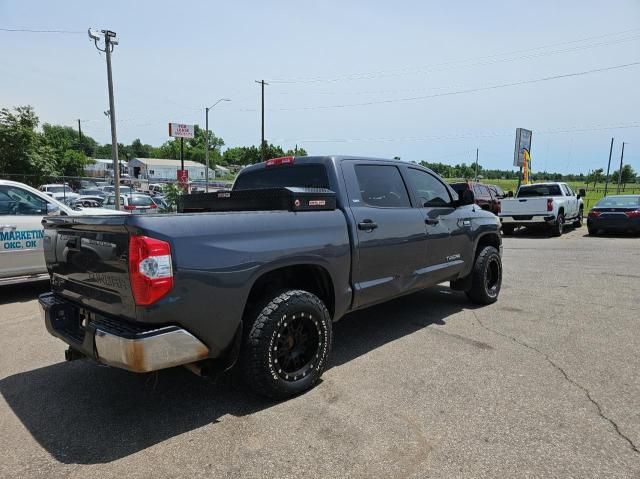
59,192
21,234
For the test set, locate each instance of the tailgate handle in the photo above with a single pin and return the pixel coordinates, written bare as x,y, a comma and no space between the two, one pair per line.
367,225
522,201
432,221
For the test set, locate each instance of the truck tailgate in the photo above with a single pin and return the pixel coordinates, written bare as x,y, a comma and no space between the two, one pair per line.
88,261
524,206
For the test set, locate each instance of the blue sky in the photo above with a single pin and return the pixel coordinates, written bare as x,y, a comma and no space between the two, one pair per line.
175,58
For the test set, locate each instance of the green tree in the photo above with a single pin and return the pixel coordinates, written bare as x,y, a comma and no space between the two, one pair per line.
22,150
628,175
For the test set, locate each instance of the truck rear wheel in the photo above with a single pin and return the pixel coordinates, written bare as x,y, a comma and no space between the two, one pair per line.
486,277
288,345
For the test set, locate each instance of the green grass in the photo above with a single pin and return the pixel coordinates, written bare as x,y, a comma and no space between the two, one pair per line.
594,194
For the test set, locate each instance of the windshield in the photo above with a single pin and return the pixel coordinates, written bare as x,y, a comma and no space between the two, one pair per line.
628,201
307,176
539,190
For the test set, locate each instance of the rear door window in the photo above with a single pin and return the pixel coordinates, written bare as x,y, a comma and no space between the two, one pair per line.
382,186
431,192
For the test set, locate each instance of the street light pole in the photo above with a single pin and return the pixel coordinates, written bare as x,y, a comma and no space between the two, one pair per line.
206,142
110,42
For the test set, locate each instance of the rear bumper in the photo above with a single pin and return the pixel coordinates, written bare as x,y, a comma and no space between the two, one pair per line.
131,346
615,224
523,220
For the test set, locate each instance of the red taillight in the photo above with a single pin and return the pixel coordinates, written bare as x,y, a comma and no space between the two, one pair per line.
633,214
150,270
285,160
594,214
153,206
129,207
549,204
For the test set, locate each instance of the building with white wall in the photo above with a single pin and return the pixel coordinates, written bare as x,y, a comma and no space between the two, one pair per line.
158,169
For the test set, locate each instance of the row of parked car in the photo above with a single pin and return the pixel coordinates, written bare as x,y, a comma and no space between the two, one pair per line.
102,195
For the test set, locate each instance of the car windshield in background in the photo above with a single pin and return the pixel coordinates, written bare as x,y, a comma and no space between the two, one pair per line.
141,200
629,201
309,176
539,190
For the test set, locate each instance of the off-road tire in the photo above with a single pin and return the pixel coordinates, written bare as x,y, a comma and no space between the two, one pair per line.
267,330
558,228
578,222
486,276
507,230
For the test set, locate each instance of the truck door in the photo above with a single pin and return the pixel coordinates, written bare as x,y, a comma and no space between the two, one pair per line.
572,202
21,232
389,232
449,245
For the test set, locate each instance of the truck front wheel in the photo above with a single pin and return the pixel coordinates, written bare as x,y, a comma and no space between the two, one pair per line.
558,228
288,345
486,277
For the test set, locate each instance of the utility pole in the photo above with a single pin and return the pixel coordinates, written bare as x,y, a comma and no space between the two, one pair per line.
110,42
620,172
79,135
606,181
476,164
206,142
263,148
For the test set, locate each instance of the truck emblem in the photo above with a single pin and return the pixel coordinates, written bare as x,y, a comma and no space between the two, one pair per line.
317,203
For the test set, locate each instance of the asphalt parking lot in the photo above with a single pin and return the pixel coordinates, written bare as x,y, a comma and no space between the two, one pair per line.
544,383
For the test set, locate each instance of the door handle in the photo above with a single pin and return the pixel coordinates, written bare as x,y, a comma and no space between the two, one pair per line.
8,227
432,221
367,225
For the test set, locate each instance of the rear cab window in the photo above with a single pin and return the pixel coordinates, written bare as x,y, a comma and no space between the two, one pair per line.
301,175
538,190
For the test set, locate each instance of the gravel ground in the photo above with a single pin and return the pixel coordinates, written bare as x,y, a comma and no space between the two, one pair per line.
544,383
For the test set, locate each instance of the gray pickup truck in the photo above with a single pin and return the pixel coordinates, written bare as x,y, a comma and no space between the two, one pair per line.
257,275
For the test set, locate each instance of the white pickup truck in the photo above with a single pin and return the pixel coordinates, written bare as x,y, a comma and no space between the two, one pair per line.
542,204
21,234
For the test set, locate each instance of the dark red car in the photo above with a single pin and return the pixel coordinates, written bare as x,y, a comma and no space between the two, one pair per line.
485,196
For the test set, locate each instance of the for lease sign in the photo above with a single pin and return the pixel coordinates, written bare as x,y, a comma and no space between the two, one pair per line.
180,130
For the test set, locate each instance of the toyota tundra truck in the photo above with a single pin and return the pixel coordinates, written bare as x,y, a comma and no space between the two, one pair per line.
257,275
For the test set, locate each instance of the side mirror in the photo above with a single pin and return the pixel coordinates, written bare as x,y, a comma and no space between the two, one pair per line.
468,198
509,194
52,210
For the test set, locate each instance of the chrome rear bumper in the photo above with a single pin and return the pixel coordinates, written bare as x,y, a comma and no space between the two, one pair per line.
135,347
157,351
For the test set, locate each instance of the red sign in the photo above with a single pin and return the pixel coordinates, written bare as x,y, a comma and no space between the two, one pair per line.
183,178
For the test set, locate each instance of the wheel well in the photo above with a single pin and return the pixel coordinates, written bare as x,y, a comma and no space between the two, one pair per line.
488,240
308,277
561,210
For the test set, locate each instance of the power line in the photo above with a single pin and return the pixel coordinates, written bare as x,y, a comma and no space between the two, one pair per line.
460,92
28,30
461,137
410,70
